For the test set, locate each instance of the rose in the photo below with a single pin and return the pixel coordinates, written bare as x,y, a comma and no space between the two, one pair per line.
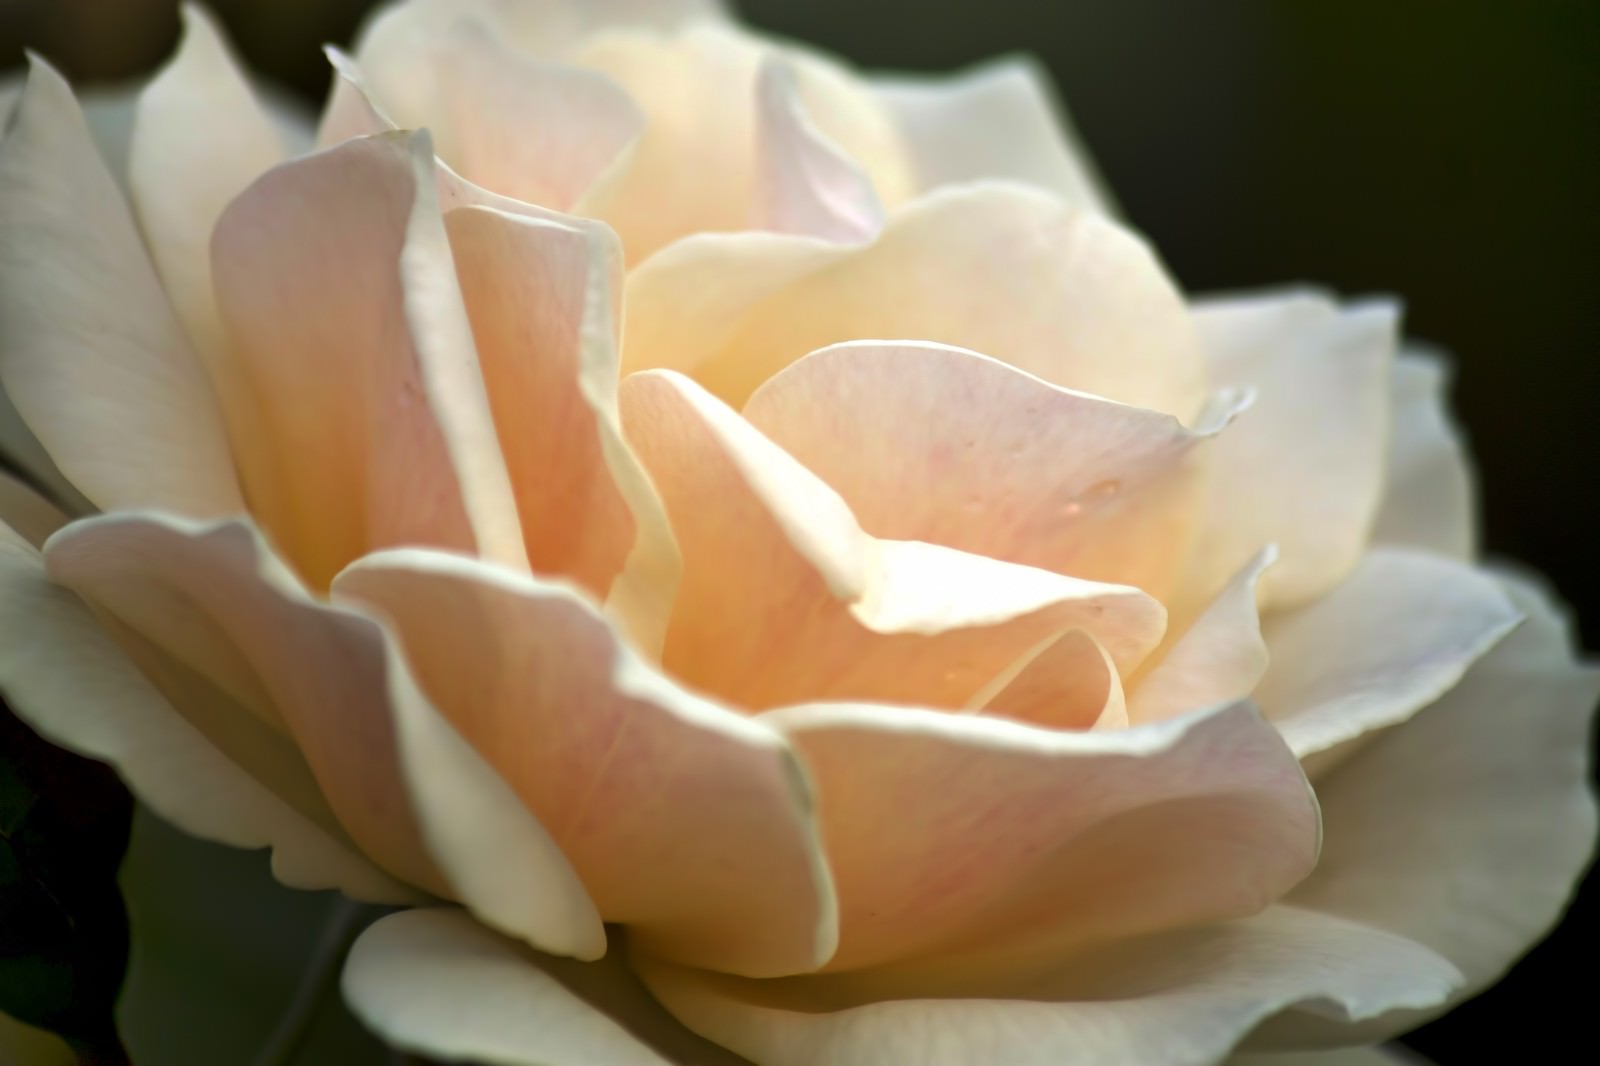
895,702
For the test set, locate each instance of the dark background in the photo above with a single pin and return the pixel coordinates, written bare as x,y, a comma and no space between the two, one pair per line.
1444,150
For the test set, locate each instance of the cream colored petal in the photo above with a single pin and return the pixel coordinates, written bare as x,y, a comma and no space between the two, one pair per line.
90,352
929,442
1220,656
541,295
335,282
1180,999
1071,683
1466,828
998,120
1391,638
28,514
64,674
21,451
1429,495
686,822
805,184
188,588
967,833
1060,293
785,599
1303,468
434,983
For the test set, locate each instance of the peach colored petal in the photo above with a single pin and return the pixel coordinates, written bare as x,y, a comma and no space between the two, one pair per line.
1303,468
90,352
66,676
335,282
1069,684
804,183
1000,119
1429,495
187,587
785,599
1466,828
541,295
1391,638
929,442
1060,293
950,832
1220,656
686,822
1179,999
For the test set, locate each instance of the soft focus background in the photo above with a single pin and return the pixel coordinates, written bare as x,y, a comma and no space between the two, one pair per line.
1444,150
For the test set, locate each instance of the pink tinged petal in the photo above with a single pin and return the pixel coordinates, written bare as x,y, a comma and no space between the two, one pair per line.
187,588
805,184
66,676
1303,468
541,294
685,821
999,120
90,352
1071,683
1391,638
1060,293
335,281
953,832
785,599
1429,495
1220,656
1466,828
435,983
929,442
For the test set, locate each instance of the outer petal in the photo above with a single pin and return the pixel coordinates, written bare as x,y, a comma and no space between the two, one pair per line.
1179,999
214,599
1394,636
434,983
64,674
1429,496
928,442
90,353
1220,656
686,821
335,281
785,599
1465,828
541,294
953,832
1061,293
1303,469
998,120
805,184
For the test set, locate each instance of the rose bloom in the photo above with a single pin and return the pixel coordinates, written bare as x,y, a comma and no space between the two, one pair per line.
763,558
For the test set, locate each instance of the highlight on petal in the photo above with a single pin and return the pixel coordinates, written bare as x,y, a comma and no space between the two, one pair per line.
1303,468
628,772
541,295
335,281
213,598
1220,656
1178,999
784,599
1061,293
435,983
1429,496
1466,828
65,675
90,352
1391,638
952,833
1001,119
1071,683
929,442
804,183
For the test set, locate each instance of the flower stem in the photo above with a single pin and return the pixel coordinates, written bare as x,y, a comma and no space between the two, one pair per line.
339,930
